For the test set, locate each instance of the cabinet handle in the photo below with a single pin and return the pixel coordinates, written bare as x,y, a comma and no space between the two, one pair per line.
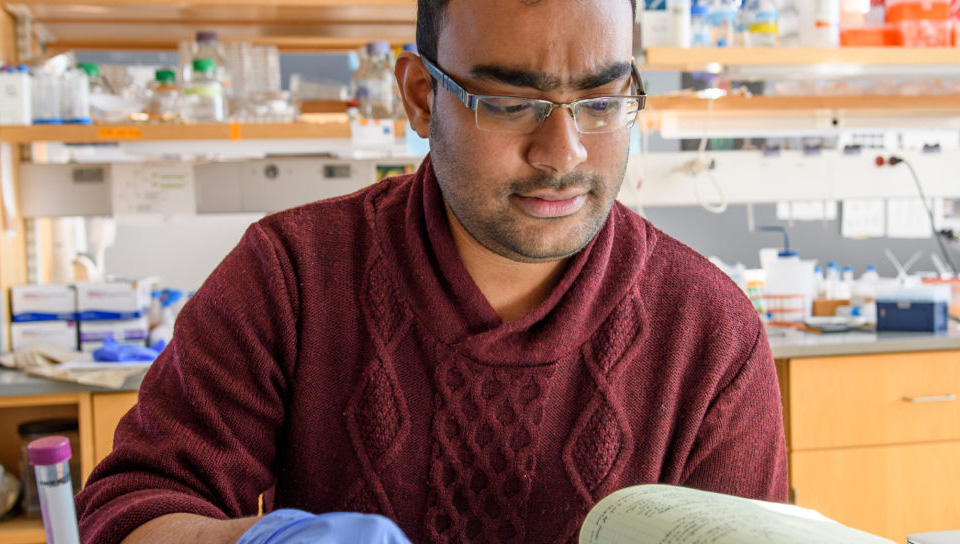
935,398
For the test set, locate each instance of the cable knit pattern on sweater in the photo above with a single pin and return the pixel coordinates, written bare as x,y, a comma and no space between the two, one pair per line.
341,358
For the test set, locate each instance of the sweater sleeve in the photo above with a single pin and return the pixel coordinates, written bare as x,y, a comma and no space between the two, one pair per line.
202,436
740,448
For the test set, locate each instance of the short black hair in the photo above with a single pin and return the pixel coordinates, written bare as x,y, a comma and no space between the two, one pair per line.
430,19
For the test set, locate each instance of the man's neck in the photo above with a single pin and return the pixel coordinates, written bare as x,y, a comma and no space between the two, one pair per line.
512,288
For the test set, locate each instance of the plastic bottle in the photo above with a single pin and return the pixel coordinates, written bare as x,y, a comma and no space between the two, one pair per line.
845,287
826,31
97,84
761,23
700,33
165,97
722,16
678,12
16,90
75,97
208,46
870,274
832,280
819,286
46,98
164,331
50,456
374,86
204,101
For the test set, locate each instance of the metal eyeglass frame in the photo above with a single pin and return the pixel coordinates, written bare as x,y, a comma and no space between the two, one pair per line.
470,100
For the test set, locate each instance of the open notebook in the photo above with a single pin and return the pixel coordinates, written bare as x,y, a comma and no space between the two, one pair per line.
664,514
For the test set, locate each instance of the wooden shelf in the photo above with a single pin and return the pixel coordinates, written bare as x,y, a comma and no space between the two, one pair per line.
737,104
337,127
161,24
20,530
697,58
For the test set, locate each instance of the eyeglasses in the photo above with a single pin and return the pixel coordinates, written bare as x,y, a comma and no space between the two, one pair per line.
523,115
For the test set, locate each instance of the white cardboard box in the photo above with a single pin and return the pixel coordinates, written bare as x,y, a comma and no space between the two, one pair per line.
112,301
57,333
124,331
54,302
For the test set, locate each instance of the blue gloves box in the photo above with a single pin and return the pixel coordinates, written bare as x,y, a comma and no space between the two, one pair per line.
921,309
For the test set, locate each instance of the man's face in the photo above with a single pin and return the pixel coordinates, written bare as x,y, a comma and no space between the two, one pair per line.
541,196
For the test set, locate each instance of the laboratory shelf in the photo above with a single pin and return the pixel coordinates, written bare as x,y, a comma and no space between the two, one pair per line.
676,58
940,103
336,126
160,24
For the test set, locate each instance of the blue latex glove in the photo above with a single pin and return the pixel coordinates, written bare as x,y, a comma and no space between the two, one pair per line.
113,352
289,526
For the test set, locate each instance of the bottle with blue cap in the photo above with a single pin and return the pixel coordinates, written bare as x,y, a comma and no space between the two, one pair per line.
16,108
789,287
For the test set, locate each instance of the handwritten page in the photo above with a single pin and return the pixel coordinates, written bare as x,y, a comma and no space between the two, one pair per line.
663,514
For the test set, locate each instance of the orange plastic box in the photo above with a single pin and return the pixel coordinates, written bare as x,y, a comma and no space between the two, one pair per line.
870,36
916,10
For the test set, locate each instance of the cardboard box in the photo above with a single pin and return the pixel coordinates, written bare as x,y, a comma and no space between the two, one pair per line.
124,331
56,333
113,301
54,302
922,309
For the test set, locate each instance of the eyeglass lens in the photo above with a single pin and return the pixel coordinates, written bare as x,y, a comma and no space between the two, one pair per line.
593,115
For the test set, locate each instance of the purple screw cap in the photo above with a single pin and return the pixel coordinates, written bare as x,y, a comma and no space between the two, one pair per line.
49,450
381,47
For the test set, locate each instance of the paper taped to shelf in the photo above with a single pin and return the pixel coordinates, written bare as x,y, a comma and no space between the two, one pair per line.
151,193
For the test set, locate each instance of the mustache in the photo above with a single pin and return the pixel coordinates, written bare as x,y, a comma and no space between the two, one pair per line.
546,181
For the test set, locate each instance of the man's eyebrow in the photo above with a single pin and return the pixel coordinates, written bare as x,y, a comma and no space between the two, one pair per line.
546,82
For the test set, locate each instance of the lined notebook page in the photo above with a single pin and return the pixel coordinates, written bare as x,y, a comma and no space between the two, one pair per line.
663,514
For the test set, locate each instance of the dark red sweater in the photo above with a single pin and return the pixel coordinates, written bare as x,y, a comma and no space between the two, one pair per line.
342,355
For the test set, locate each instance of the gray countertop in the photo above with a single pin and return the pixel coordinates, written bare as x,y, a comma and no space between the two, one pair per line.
785,344
793,343
14,383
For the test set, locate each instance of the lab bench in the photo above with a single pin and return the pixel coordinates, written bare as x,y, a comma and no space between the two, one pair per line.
872,423
873,427
96,409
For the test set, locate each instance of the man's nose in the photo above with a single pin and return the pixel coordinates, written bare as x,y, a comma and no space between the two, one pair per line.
555,146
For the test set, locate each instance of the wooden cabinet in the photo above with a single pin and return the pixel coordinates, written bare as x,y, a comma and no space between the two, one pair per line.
874,440
97,414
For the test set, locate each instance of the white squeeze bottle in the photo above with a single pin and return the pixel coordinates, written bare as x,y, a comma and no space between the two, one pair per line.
49,456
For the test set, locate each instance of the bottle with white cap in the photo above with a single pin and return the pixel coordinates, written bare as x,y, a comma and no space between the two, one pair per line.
50,458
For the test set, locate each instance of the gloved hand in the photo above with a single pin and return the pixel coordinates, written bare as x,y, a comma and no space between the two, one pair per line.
289,526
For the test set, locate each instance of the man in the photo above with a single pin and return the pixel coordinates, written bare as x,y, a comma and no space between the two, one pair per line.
479,351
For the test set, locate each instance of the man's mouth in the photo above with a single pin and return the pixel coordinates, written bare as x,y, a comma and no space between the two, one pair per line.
552,204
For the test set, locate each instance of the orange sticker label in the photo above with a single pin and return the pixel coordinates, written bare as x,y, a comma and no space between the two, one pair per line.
119,133
234,131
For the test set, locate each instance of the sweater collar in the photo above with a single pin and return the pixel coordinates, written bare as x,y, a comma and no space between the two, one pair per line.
419,250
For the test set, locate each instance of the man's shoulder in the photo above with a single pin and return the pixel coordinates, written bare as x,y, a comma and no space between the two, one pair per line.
675,275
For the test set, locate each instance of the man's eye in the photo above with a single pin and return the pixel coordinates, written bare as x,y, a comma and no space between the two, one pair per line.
505,108
602,106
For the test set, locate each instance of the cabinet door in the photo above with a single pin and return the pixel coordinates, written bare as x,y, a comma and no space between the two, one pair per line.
108,408
891,491
860,400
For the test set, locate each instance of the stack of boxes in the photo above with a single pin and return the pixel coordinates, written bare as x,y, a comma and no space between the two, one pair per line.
43,314
117,309
80,316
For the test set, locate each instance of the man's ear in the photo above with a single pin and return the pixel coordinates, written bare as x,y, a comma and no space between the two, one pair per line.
416,90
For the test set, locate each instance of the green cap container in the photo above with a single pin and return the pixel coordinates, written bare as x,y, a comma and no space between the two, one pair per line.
166,76
92,69
204,65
